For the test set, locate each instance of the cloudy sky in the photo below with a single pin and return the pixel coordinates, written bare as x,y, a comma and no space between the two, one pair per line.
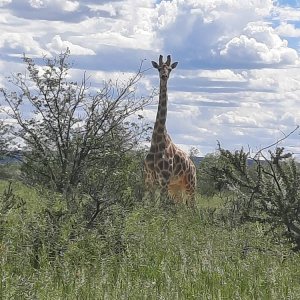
237,80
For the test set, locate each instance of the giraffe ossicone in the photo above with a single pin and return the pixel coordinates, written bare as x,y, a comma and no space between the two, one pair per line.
166,165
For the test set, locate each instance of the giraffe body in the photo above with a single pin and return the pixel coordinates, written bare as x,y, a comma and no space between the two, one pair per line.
166,165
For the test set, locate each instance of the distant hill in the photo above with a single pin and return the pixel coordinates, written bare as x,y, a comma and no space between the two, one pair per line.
197,160
9,159
17,158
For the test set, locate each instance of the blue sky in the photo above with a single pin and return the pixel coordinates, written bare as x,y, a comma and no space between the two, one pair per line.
238,76
292,3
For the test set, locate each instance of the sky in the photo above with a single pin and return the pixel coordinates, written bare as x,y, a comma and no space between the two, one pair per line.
237,80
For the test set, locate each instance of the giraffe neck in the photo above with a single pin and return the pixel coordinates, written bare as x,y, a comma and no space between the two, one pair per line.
161,116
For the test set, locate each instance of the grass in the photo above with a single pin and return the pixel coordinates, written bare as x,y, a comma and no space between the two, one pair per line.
165,255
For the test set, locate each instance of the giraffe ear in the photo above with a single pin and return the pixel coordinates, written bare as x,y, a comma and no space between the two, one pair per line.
154,64
174,65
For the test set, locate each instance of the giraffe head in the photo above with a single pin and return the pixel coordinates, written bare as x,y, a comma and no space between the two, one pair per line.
164,69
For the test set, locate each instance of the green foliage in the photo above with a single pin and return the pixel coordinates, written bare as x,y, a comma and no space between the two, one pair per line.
209,177
71,126
118,180
142,253
267,192
79,141
4,128
10,171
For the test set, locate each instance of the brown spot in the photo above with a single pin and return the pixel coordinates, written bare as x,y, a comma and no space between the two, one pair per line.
160,130
161,164
161,146
150,157
152,148
166,164
176,158
165,174
159,138
163,111
157,156
150,165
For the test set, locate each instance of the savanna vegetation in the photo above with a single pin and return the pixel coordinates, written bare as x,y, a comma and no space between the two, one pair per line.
75,224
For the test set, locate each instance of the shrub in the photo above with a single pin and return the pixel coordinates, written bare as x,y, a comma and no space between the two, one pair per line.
209,179
79,141
267,192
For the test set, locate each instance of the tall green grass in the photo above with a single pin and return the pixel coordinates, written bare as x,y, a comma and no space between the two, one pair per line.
157,254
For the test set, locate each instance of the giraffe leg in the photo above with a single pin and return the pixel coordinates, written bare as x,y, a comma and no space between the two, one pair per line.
191,201
191,191
179,188
176,191
150,182
182,190
164,188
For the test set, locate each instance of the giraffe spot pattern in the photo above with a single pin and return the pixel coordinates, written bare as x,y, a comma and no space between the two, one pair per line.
168,165
160,130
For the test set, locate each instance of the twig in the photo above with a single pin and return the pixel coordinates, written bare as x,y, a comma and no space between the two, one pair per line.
277,142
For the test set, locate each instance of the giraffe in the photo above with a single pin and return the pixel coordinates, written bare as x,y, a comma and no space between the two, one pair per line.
166,165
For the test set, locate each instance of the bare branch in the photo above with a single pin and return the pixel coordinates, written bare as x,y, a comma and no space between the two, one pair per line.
277,142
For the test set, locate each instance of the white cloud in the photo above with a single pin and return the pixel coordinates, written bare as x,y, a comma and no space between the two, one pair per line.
57,45
235,118
4,2
199,29
263,33
66,5
167,12
251,105
106,7
130,25
286,13
222,75
280,81
259,43
18,43
288,30
36,3
290,117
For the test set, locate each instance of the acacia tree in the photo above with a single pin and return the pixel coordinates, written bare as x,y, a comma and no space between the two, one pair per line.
209,177
266,190
68,128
